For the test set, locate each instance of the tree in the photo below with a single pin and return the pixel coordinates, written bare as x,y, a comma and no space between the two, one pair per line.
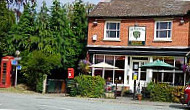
7,19
36,65
78,21
46,41
22,35
60,27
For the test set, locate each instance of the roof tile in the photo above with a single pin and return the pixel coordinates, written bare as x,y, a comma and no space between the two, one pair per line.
137,8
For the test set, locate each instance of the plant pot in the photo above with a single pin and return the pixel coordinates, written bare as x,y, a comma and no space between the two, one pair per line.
139,97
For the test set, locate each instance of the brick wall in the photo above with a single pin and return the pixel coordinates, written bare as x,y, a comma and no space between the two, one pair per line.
180,33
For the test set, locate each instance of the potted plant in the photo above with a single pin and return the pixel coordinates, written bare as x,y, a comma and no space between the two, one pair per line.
139,96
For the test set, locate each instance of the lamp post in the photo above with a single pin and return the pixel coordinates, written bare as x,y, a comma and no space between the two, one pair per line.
17,53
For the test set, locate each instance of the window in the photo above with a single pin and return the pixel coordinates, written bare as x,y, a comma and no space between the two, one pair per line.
111,75
120,62
163,30
109,60
119,76
99,58
112,30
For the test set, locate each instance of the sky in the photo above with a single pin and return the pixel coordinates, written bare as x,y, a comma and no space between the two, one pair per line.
49,2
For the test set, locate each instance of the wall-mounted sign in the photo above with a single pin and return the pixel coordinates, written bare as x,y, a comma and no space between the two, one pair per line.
135,76
137,35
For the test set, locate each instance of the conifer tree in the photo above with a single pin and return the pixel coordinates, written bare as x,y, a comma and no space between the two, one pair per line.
22,33
7,19
78,21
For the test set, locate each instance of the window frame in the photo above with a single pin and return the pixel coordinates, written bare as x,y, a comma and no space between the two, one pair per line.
163,39
105,31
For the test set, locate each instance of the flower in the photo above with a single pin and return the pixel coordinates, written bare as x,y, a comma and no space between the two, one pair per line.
84,66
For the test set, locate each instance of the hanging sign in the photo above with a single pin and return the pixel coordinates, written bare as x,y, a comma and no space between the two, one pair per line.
137,36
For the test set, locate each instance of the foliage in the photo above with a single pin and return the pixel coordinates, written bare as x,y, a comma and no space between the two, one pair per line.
7,19
36,65
178,94
21,36
90,86
160,92
78,22
84,66
164,92
55,32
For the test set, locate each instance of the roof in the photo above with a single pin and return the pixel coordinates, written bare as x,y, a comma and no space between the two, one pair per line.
140,8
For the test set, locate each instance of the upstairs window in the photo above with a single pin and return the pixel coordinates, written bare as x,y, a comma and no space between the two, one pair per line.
112,30
163,30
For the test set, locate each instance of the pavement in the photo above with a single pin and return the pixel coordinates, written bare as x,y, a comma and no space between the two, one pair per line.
16,101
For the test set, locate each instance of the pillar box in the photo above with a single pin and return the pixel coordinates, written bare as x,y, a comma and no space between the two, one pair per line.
70,73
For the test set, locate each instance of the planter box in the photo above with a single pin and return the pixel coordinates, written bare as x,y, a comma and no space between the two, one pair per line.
110,95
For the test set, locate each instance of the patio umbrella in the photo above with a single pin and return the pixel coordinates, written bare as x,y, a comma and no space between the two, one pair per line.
103,65
157,65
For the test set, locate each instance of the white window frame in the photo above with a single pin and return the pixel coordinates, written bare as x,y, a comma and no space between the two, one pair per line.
162,39
105,30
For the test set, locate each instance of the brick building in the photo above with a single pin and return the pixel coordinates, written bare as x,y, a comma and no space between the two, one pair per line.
130,33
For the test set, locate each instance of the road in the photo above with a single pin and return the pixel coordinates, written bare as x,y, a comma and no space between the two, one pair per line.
12,101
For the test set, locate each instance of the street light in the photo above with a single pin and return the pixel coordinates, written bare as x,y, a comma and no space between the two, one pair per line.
17,53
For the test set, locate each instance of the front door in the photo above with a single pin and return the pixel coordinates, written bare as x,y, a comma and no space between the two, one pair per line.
142,74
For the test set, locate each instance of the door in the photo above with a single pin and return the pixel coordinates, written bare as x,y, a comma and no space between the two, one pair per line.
142,74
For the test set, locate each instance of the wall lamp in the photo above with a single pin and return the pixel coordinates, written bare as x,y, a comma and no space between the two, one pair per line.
95,23
182,21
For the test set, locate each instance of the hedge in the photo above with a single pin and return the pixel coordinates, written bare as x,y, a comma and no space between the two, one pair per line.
164,92
89,86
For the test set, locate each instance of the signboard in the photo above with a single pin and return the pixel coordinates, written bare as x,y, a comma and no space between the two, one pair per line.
14,62
19,67
70,73
135,76
137,36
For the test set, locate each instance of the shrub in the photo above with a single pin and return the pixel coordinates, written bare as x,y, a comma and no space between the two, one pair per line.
90,86
36,65
160,92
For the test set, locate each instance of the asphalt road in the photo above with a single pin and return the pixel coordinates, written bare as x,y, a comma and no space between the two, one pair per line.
11,101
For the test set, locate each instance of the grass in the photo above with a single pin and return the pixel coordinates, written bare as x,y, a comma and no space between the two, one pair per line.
21,88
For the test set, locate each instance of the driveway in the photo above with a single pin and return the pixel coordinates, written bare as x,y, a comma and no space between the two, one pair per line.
12,101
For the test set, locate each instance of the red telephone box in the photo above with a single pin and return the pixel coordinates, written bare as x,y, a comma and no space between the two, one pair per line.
6,69
70,73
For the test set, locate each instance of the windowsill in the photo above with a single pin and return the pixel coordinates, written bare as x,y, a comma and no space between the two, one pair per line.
112,40
162,40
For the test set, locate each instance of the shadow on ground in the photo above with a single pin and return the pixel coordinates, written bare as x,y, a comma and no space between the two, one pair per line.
184,107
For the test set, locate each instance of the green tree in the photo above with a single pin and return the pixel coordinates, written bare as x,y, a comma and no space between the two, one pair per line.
78,22
46,42
36,65
60,27
7,19
22,35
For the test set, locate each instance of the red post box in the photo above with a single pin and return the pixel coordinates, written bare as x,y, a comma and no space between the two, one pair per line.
6,72
70,73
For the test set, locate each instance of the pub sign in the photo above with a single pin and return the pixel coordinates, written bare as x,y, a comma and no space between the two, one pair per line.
137,35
